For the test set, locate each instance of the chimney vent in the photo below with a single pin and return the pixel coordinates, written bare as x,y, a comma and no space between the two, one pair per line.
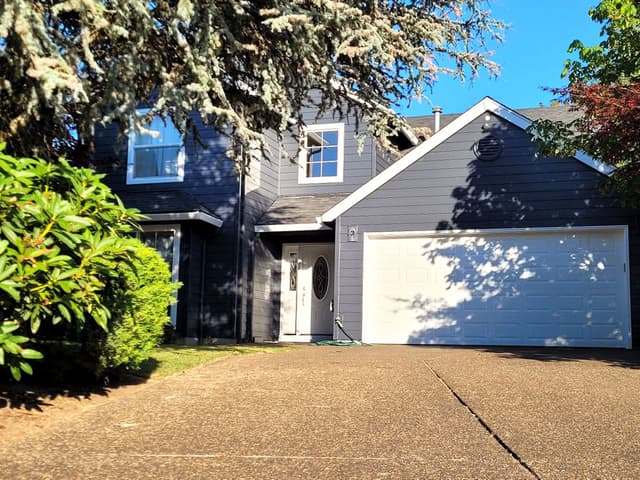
436,118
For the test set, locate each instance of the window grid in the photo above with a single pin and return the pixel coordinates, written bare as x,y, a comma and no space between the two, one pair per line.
158,157
321,156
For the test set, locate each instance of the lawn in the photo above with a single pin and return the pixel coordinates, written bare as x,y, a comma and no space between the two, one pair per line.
170,359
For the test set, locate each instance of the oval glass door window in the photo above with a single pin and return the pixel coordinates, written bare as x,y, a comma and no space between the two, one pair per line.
320,276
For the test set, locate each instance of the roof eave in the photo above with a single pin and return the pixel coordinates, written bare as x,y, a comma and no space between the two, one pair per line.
195,215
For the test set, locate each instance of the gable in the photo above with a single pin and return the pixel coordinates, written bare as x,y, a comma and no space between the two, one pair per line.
449,188
485,107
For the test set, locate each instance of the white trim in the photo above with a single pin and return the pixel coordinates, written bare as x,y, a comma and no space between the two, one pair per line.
302,155
175,267
290,227
628,285
178,216
487,104
180,161
302,338
367,278
369,236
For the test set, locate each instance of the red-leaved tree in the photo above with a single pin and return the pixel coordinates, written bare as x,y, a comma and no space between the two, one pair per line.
604,91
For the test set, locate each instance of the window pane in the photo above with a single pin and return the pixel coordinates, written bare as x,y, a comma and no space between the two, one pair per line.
148,238
330,169
314,155
162,242
163,132
330,154
330,137
169,161
156,162
316,169
146,163
314,139
164,246
171,135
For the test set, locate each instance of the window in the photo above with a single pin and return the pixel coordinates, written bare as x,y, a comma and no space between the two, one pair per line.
156,156
165,239
321,156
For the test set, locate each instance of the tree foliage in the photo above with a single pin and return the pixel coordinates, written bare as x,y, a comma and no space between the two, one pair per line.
604,90
62,236
244,65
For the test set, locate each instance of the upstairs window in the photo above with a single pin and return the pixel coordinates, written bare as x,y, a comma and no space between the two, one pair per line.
322,154
157,154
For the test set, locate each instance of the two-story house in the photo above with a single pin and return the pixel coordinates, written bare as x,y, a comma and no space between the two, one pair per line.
466,237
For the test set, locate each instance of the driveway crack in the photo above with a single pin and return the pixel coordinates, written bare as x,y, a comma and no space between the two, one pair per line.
484,424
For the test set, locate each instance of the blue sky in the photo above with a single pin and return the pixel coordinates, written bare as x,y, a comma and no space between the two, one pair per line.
531,56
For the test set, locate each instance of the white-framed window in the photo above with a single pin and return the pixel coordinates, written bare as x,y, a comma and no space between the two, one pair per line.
165,239
156,155
322,154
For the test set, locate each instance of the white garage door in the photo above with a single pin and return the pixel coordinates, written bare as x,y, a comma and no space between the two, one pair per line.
543,287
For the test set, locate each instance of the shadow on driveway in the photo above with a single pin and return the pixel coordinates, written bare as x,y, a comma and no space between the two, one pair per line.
612,357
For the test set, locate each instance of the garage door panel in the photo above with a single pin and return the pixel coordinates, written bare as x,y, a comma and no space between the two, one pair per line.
571,302
606,333
602,302
507,330
533,288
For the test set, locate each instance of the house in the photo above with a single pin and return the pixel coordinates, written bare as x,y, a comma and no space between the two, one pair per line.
468,238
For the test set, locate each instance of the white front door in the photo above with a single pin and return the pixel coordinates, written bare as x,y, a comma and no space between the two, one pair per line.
307,291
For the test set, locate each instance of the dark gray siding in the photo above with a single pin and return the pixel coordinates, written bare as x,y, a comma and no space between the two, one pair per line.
383,158
266,288
270,167
357,165
450,189
257,268
209,178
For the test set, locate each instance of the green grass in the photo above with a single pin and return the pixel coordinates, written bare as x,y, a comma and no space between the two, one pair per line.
170,359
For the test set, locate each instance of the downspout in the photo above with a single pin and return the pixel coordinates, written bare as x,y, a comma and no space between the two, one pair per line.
237,308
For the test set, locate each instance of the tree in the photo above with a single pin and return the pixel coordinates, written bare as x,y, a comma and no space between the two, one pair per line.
244,65
604,91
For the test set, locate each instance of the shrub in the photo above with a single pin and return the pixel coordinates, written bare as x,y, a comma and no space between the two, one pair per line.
63,240
140,308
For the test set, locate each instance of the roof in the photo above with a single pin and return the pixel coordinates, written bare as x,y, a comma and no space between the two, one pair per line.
487,104
556,113
297,212
169,206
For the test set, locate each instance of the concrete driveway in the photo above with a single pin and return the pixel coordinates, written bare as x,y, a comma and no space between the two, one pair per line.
359,412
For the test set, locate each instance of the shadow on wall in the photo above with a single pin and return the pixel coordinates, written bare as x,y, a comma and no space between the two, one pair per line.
557,289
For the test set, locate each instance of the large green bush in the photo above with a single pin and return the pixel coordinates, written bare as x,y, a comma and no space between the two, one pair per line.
63,240
140,307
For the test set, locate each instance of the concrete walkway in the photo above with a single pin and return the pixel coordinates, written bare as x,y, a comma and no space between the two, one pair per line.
358,412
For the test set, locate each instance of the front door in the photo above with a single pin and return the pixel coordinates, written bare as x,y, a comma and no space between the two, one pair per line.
307,291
